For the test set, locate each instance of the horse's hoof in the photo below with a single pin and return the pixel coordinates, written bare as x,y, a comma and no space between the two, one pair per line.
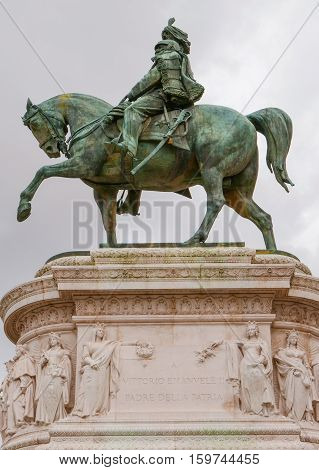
194,241
24,210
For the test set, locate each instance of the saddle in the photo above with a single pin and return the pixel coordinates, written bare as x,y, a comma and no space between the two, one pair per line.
155,128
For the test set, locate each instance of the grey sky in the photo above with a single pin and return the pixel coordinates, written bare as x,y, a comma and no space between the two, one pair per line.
102,48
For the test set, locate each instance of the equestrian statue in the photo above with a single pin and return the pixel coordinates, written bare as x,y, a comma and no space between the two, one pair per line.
157,139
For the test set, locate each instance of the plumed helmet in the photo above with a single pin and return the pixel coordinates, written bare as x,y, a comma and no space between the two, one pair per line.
176,34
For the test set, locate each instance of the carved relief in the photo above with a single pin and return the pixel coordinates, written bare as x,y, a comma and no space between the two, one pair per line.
304,282
296,382
207,352
173,305
314,362
167,255
17,390
144,350
250,373
296,313
26,290
54,381
44,316
99,374
229,272
280,259
4,391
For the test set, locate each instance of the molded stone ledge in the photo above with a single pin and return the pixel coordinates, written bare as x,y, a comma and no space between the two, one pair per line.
245,433
132,256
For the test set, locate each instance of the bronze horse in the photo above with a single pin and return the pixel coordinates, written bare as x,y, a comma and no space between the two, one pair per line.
223,158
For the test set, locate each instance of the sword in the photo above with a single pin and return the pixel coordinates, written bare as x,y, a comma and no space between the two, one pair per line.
182,117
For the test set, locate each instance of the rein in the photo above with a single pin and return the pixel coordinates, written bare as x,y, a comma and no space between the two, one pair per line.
75,137
54,132
64,145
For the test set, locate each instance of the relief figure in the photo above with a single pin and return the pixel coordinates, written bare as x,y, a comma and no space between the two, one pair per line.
297,384
53,382
250,373
19,391
99,375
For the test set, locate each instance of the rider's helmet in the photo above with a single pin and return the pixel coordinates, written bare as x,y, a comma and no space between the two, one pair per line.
170,32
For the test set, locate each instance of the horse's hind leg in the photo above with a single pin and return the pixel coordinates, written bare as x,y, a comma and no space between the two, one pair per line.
106,201
240,198
213,184
245,206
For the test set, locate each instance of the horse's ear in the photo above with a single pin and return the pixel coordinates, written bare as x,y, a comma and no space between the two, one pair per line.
29,104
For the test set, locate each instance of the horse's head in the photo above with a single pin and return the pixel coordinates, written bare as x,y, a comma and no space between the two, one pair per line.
48,128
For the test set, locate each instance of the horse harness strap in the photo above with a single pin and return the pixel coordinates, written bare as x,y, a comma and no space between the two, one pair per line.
76,136
54,133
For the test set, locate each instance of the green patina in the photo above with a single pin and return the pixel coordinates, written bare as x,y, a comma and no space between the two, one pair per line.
220,153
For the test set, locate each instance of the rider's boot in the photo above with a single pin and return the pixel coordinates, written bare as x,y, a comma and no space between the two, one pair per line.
132,127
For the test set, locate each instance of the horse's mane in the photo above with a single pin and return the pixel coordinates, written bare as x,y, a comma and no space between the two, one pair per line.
93,104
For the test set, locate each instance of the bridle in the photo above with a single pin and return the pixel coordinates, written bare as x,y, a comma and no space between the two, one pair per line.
53,130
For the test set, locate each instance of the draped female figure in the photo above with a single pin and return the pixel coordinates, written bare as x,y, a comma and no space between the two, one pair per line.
297,386
53,382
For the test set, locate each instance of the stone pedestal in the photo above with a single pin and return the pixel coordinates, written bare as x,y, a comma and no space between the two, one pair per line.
166,329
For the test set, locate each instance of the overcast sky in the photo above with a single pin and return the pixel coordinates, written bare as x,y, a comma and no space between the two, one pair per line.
102,48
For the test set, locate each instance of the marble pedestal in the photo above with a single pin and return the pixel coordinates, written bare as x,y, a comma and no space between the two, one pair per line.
170,314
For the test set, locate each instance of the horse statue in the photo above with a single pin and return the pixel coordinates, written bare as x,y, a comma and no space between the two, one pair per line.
221,156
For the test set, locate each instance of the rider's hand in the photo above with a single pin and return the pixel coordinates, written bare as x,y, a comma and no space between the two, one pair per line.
107,119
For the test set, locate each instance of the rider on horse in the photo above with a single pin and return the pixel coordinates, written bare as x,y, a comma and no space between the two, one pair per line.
168,85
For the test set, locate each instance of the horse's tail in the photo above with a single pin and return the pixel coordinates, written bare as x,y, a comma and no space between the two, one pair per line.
276,126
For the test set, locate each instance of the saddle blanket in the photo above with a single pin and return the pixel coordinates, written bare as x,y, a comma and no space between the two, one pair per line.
156,127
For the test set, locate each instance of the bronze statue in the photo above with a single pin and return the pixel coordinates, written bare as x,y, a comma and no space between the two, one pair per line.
207,145
168,85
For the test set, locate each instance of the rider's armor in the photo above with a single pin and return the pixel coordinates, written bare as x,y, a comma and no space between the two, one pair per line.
172,73
169,84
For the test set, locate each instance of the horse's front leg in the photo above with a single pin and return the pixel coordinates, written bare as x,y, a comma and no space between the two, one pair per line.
68,169
106,201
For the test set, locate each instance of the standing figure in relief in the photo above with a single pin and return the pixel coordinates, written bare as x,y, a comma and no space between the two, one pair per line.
53,382
314,363
255,371
296,382
99,375
20,390
4,389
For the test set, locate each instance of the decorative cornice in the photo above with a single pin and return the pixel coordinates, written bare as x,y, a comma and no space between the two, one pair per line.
36,287
280,259
44,316
64,261
287,311
172,255
177,304
197,272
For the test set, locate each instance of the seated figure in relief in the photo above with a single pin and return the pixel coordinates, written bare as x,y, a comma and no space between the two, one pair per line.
53,382
297,384
99,374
